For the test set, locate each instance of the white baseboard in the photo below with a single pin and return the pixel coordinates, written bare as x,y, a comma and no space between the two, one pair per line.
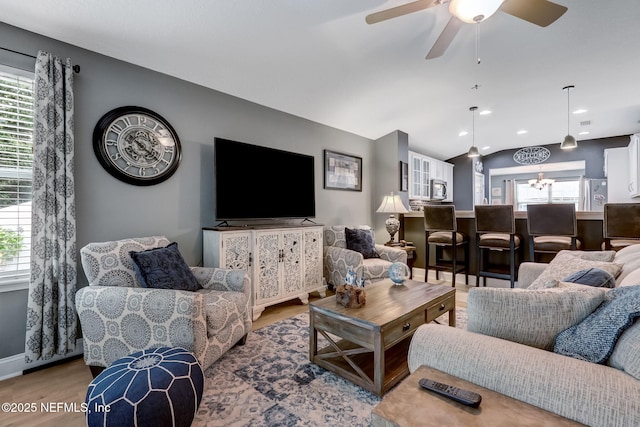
14,366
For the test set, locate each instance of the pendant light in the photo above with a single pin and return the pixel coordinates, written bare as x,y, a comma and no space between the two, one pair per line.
473,151
569,141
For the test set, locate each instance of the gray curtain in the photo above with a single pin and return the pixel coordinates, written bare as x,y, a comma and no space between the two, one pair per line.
51,315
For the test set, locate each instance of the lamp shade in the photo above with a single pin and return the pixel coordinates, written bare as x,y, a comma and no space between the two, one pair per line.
568,143
392,204
473,152
471,11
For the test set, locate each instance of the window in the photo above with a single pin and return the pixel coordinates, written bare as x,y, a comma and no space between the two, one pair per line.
16,156
566,190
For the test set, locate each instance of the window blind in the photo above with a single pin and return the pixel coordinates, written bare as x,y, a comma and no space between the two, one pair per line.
16,157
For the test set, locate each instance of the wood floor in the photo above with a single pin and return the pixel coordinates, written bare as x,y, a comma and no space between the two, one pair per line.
67,382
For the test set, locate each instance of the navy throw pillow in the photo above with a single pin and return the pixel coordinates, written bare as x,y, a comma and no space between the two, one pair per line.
592,277
594,338
361,241
164,268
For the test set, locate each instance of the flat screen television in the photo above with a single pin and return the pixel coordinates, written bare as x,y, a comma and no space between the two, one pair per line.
255,182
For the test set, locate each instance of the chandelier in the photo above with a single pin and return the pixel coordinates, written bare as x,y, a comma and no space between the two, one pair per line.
541,182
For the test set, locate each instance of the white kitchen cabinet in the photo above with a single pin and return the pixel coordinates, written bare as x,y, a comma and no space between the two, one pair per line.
283,263
422,169
634,166
419,176
448,177
617,167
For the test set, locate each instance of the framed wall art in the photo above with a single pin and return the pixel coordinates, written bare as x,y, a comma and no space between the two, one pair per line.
404,176
342,171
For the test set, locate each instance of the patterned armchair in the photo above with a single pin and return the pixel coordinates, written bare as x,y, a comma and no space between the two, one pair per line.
338,259
118,316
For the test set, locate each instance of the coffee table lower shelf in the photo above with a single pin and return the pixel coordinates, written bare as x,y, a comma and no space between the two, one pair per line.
361,370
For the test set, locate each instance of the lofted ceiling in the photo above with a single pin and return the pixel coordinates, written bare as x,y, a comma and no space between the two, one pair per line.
321,61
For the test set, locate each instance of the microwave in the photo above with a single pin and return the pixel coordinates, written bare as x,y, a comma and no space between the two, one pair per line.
438,189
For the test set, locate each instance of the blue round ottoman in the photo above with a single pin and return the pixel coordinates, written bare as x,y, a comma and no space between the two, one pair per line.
157,387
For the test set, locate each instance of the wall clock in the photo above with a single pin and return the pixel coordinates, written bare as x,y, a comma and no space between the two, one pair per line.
136,145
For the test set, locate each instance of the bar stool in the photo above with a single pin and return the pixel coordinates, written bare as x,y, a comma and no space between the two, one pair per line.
621,225
496,231
552,228
441,231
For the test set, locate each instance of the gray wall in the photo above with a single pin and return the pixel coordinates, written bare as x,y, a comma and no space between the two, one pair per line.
108,209
591,151
388,152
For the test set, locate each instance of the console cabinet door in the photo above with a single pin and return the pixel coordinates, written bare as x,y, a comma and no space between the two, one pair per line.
291,261
266,271
313,258
227,249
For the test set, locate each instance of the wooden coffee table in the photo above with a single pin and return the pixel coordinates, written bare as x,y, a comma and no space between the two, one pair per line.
373,341
409,405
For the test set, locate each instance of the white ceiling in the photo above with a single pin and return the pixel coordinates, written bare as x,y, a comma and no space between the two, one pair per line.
321,61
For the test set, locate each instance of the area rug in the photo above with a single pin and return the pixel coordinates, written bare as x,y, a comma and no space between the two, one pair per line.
271,382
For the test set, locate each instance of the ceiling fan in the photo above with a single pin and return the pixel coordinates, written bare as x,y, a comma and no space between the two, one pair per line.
538,12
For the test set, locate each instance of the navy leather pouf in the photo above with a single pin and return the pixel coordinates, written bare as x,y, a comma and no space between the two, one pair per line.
156,387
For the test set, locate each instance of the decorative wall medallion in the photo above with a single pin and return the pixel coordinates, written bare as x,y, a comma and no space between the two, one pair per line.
136,145
531,155
478,166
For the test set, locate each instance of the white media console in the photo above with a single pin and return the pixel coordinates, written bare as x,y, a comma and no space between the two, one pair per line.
283,262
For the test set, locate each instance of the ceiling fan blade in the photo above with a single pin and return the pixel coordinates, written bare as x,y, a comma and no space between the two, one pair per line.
405,9
446,37
539,12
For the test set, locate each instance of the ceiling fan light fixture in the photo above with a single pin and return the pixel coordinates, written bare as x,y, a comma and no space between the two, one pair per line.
474,11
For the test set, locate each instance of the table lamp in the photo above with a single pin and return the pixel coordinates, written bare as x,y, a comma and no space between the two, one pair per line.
392,205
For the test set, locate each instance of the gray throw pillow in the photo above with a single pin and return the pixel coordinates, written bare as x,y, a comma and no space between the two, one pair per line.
565,264
530,317
164,268
361,241
595,277
595,337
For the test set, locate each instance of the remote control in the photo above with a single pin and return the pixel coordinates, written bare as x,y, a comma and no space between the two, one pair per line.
465,397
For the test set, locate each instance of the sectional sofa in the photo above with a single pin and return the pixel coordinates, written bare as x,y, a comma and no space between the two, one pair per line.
512,333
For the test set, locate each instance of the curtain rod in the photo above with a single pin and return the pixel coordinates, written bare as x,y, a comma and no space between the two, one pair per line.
76,68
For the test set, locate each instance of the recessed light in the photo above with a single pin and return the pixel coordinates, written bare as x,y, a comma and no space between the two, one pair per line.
463,133
486,148
584,132
522,132
580,111
484,112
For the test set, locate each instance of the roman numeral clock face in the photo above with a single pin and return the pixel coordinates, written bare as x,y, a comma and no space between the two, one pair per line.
136,146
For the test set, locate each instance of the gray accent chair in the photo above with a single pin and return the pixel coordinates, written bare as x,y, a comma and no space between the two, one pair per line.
118,316
338,259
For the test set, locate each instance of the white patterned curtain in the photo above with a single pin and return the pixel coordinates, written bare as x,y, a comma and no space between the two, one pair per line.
510,193
51,315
